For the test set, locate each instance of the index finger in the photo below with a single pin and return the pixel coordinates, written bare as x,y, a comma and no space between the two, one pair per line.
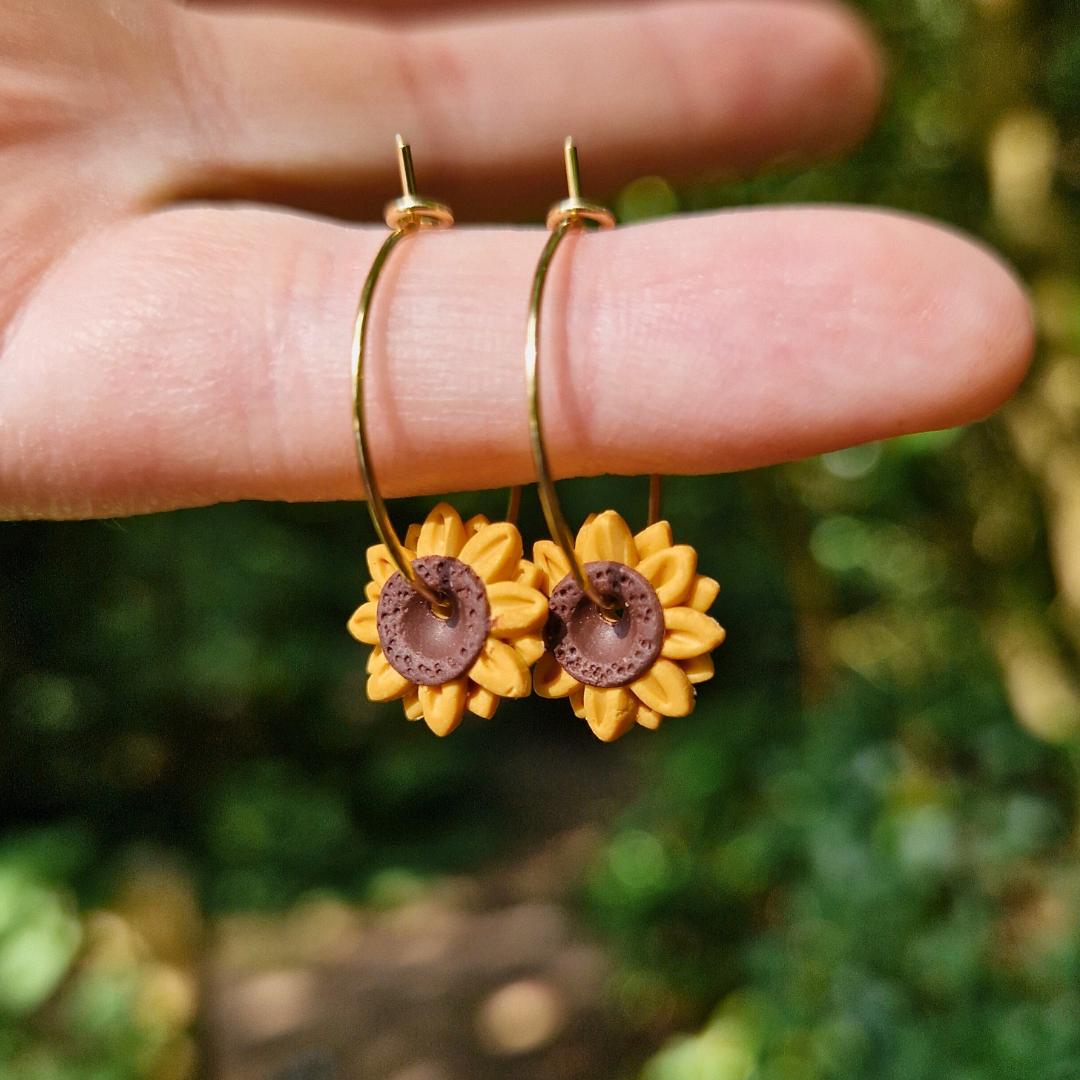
202,355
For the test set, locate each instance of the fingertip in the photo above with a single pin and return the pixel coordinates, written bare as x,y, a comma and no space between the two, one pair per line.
765,82
995,322
946,324
852,72
791,80
812,329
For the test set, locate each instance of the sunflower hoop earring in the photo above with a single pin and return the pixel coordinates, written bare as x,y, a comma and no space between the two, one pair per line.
627,635
455,613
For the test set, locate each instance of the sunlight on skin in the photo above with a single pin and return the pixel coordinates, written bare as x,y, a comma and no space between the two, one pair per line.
156,358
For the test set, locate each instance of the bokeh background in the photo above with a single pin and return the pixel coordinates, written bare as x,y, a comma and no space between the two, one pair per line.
858,858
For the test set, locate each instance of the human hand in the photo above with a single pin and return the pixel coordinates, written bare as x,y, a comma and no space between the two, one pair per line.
159,354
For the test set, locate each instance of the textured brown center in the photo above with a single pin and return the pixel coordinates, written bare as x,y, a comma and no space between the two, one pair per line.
590,647
427,649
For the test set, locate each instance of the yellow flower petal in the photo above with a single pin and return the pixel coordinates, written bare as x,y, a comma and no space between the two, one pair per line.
516,609
475,524
412,536
501,670
552,562
699,669
380,565
671,573
653,539
362,624
607,538
703,593
666,689
442,533
610,713
444,705
384,683
481,702
372,590
550,680
529,646
528,573
413,709
583,530
577,702
648,718
689,633
494,552
582,537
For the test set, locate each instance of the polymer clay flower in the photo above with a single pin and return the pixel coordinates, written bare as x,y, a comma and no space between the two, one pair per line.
641,662
482,651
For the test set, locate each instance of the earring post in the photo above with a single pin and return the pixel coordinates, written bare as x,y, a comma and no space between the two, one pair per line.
405,166
573,175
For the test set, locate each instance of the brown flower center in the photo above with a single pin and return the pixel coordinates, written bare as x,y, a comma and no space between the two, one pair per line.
598,650
426,648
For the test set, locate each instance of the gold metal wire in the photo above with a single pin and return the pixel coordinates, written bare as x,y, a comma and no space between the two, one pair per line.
405,216
549,499
570,215
408,215
513,507
655,495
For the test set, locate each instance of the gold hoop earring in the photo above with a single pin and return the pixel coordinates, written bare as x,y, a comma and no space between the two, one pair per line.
627,637
455,613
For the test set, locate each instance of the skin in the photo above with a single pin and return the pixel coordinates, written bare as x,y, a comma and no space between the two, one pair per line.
159,353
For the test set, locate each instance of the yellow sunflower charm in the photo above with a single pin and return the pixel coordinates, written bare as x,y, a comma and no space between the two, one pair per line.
476,653
641,661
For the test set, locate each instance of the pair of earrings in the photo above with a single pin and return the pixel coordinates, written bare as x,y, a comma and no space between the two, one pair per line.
459,619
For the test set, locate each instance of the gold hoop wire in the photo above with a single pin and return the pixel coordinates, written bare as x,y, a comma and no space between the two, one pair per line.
573,214
405,216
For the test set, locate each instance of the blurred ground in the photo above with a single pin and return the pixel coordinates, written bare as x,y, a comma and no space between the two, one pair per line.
488,976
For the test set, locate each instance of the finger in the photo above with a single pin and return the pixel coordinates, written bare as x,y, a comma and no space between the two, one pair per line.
397,10
671,87
202,355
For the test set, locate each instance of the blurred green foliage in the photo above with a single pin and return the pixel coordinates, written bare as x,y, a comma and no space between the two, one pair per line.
856,859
